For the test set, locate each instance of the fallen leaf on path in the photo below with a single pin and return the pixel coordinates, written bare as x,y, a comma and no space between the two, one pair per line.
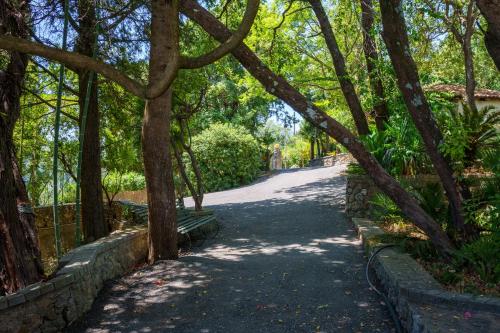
159,282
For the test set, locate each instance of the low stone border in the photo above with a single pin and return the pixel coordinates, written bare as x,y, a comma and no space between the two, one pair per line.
52,305
422,304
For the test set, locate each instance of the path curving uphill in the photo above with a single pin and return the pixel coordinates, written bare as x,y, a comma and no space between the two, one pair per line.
285,260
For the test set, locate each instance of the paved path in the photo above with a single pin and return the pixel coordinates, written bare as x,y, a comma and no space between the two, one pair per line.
285,260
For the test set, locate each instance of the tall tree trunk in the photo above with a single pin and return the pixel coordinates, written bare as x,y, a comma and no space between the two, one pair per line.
93,222
464,39
20,263
470,78
156,136
311,148
280,88
396,40
371,56
343,76
491,12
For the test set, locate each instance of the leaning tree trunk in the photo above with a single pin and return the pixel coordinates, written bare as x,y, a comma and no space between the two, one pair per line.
156,136
20,263
92,209
343,76
491,12
371,56
182,169
194,164
396,40
280,88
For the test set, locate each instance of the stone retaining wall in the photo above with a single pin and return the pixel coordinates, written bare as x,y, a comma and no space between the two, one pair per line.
52,305
139,196
45,226
421,303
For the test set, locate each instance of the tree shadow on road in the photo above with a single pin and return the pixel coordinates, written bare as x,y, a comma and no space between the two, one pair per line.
290,264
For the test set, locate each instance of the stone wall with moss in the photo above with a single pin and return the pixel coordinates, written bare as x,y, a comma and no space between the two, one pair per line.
51,306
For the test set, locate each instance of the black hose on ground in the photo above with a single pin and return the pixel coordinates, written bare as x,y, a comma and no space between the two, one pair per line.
392,311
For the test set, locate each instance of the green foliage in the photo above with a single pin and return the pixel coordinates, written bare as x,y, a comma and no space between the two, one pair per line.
355,169
296,152
116,181
405,154
467,132
482,256
430,197
399,148
228,156
483,209
385,208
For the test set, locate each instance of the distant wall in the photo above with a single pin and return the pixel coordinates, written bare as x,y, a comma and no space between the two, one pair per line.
481,104
330,160
140,196
52,305
45,226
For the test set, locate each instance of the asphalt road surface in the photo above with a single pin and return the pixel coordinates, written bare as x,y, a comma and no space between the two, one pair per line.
285,259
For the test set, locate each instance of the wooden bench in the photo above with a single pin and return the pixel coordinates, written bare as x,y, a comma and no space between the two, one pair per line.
187,219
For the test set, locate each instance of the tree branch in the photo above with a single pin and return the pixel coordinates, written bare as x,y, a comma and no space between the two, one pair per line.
346,84
54,76
227,46
73,59
157,88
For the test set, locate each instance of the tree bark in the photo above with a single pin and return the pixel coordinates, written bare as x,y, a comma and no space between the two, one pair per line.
182,169
20,263
371,56
464,38
490,9
280,88
162,222
343,76
194,164
311,148
93,222
396,40
470,77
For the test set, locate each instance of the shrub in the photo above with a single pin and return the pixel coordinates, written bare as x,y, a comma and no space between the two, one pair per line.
399,148
228,156
355,169
483,256
116,181
296,153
